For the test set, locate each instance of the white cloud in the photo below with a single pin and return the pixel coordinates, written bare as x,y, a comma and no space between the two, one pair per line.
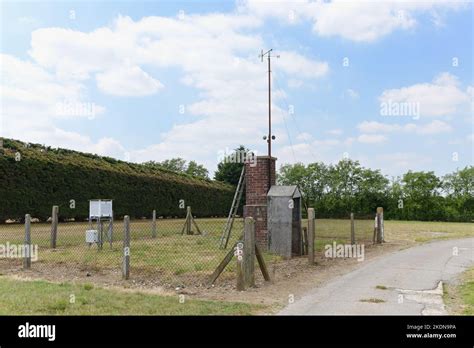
220,63
361,21
336,131
352,94
294,83
304,136
127,81
217,55
442,97
371,138
295,64
434,127
401,162
33,100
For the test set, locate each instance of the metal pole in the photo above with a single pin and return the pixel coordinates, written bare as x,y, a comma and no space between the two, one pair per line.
269,123
269,108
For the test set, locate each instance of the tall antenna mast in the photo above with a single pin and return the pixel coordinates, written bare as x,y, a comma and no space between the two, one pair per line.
269,137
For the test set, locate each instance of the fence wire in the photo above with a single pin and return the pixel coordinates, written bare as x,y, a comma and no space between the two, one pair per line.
162,251
170,252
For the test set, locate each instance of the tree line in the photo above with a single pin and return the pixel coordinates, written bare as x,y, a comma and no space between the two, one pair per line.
336,190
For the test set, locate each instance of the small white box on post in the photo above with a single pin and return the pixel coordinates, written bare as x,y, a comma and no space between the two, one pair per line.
100,210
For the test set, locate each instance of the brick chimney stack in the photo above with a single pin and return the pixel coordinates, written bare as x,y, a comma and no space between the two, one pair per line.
256,189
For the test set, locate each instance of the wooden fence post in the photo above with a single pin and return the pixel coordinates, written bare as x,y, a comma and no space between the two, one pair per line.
249,252
153,225
380,236
126,248
188,220
311,232
27,246
240,266
110,231
305,240
54,226
353,241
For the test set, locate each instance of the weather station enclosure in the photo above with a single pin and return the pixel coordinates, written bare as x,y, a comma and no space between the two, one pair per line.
100,211
284,220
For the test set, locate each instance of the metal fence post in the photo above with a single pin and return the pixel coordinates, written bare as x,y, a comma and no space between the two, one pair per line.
153,225
352,229
249,252
27,246
126,248
54,226
311,232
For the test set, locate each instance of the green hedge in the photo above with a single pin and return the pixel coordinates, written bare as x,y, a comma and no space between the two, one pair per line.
45,177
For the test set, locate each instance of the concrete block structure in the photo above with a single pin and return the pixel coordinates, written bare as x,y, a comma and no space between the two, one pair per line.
284,221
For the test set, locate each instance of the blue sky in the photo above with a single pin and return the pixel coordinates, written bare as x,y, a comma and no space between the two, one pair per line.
154,80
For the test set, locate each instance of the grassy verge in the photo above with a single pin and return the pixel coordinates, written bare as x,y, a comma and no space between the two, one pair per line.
19,297
423,231
460,299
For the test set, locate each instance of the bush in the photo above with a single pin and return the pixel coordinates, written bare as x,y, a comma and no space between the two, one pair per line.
45,177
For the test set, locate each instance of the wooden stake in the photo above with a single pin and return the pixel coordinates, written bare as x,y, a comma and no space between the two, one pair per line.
153,225
261,263
352,229
379,225
311,232
305,240
126,248
27,246
54,226
217,272
188,220
240,269
249,252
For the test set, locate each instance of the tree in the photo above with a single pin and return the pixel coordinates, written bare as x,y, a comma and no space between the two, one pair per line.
422,196
177,165
197,170
311,180
229,169
459,188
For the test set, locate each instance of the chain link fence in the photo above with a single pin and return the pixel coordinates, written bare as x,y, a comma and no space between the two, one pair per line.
357,231
169,252
163,251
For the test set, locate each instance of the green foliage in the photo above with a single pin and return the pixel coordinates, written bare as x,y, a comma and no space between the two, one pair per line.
229,169
45,177
178,165
336,190
196,170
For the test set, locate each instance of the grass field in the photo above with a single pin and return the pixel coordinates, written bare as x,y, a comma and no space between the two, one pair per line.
423,231
18,297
